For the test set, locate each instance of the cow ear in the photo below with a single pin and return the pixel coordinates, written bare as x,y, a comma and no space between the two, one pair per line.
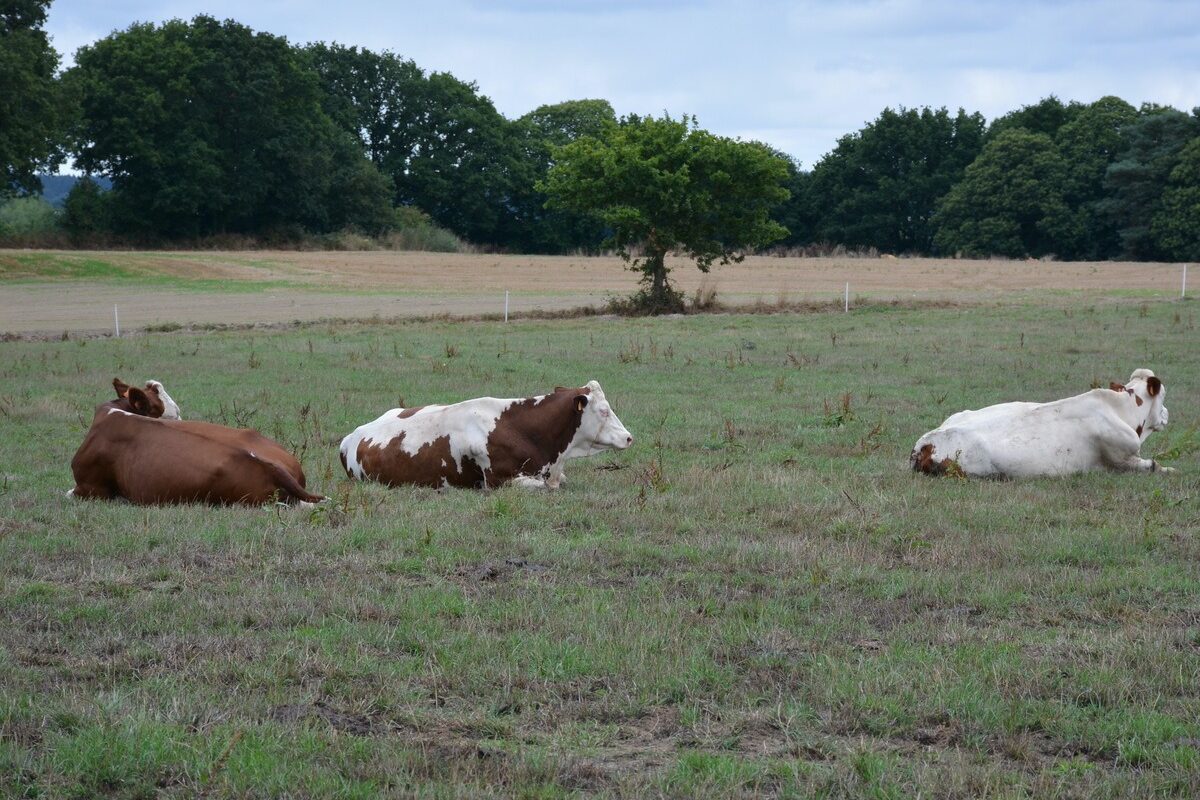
121,386
138,401
1153,386
1117,387
581,402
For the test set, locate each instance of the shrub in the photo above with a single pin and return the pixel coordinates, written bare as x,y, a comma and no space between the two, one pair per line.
86,210
415,230
27,218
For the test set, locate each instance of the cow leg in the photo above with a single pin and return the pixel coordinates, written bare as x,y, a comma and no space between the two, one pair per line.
530,482
1122,454
85,491
1136,463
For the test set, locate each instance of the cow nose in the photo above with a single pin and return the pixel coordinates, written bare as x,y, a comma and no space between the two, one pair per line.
628,441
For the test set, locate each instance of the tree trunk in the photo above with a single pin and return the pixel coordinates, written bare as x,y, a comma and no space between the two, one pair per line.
658,278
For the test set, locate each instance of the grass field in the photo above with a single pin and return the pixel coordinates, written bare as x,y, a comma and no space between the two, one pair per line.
758,598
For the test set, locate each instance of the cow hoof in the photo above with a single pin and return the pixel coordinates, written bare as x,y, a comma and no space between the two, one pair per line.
71,494
526,482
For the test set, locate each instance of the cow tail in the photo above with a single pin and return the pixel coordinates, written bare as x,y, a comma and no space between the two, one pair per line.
288,486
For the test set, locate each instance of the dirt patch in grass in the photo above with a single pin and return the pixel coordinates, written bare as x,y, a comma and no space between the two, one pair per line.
341,721
488,571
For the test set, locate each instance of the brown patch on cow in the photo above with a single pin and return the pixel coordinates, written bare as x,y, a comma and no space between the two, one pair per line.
1153,386
342,458
1139,430
432,465
405,413
1137,399
121,387
923,461
1117,387
531,435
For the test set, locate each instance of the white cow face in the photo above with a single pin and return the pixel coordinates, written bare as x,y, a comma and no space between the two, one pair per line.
1150,390
170,408
599,428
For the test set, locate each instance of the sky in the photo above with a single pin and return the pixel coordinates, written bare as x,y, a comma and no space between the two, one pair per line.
796,75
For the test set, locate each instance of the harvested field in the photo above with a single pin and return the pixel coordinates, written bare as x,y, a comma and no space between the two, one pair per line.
75,291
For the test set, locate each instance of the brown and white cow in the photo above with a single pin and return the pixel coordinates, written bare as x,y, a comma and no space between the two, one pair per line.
140,450
1100,429
485,442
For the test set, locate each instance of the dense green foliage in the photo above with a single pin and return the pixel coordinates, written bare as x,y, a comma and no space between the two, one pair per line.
1010,201
208,128
661,185
1067,180
547,228
87,209
1136,181
1176,226
31,107
879,187
26,218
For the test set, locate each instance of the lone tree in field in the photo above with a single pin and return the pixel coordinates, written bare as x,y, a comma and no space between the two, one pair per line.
663,185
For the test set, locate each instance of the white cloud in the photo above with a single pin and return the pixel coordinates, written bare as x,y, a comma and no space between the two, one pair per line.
797,75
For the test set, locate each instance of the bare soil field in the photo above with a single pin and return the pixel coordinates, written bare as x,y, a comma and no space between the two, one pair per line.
76,291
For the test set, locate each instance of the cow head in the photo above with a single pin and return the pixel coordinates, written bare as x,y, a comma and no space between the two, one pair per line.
1151,398
599,429
152,401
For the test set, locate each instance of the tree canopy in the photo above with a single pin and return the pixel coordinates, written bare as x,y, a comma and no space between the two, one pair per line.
1135,182
880,185
446,148
209,127
1175,228
1010,200
1089,142
31,103
661,185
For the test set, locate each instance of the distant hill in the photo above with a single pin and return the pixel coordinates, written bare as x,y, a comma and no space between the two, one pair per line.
55,188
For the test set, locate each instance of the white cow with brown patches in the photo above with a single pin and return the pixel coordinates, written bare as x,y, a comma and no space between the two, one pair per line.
485,442
1100,429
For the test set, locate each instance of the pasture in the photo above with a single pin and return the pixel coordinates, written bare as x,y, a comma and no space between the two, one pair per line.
758,598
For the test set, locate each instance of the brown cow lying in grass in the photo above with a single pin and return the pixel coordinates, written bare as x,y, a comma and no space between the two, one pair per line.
139,449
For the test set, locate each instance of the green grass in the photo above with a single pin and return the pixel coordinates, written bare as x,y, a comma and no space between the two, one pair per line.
37,267
757,598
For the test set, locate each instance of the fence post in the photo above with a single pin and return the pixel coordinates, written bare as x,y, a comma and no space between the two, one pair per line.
116,321
506,305
1183,288
847,308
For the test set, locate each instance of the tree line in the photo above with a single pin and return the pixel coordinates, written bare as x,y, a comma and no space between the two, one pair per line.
206,128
